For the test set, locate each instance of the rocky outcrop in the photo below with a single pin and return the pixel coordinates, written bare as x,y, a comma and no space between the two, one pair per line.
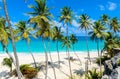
111,69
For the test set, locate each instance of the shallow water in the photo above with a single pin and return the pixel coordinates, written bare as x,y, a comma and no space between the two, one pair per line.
36,45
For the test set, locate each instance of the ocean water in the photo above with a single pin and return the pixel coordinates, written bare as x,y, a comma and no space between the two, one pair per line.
37,47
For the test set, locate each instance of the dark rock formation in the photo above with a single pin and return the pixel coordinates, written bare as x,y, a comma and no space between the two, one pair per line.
111,69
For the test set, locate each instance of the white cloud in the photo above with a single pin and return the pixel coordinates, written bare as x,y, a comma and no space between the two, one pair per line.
75,23
13,24
102,7
25,14
112,6
92,20
56,23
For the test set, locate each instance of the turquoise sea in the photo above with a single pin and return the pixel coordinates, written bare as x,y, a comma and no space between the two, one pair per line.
37,47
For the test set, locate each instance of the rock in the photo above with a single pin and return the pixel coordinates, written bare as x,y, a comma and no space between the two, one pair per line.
111,69
105,77
108,67
114,74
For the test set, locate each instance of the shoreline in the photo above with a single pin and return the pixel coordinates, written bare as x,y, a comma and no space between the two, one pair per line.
64,69
53,52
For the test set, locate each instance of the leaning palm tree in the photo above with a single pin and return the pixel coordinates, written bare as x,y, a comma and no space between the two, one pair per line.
4,36
56,36
41,22
13,44
73,40
25,33
98,32
85,24
66,17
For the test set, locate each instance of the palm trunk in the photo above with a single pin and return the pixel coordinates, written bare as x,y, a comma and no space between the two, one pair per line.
68,52
87,44
76,55
98,47
13,45
51,60
87,50
99,55
32,56
11,57
46,58
58,53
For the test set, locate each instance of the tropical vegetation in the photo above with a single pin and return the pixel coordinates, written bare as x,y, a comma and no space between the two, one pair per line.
41,25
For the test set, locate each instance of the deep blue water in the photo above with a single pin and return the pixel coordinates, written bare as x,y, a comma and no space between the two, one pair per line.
36,45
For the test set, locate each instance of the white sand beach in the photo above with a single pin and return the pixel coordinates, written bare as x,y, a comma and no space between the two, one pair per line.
62,72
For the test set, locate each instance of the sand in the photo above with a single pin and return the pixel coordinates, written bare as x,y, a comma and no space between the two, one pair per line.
61,73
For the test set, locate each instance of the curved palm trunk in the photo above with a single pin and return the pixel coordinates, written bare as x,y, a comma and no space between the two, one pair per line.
58,54
32,56
77,55
46,58
51,60
13,45
11,58
68,53
99,55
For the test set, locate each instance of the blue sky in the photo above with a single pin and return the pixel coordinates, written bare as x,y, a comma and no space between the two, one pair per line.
94,8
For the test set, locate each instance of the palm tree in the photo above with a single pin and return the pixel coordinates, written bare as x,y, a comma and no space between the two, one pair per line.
40,10
66,42
13,45
41,22
24,33
114,24
49,37
56,36
98,32
4,36
112,41
73,40
66,17
105,19
85,23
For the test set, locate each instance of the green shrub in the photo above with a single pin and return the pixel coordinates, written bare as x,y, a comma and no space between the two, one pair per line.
7,62
103,59
28,71
118,62
93,74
